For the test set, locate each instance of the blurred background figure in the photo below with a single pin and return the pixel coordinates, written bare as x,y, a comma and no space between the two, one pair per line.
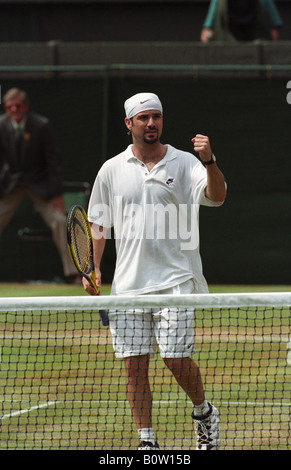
241,20
30,167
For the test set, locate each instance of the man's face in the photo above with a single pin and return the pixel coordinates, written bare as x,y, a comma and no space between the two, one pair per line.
147,126
16,108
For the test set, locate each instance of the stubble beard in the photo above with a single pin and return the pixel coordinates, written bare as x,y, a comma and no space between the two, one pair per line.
151,141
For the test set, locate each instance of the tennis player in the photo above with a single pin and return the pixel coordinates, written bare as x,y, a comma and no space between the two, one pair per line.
151,193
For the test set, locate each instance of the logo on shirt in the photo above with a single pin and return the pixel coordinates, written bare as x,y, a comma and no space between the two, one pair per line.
170,182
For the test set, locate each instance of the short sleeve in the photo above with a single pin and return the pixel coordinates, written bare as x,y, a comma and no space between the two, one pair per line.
199,183
99,209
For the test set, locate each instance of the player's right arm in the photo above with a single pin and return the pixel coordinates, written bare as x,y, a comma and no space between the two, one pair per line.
99,241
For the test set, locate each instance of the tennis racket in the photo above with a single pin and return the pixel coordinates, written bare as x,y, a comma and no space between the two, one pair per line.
80,244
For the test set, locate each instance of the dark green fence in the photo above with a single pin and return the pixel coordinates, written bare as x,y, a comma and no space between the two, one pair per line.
248,121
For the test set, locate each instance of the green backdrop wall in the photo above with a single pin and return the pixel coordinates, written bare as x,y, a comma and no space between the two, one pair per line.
248,121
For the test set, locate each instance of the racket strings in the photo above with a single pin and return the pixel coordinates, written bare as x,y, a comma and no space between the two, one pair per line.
81,242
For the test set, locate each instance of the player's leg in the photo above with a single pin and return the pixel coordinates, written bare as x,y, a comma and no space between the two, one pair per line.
187,374
206,416
175,336
139,397
133,340
138,390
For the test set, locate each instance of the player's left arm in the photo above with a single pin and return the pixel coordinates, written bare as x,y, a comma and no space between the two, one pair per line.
216,188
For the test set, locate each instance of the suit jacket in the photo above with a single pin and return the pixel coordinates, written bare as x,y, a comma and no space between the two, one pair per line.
38,165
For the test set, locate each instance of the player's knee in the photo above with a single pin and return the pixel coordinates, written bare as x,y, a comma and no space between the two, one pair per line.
136,365
173,363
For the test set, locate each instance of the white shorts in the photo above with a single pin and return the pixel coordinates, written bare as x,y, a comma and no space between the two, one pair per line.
139,332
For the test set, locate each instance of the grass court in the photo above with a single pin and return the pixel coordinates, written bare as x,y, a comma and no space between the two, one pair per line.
61,387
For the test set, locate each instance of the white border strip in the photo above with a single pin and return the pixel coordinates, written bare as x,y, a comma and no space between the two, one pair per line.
271,299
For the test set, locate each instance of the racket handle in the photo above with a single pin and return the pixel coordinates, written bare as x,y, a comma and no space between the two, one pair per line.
104,317
103,313
92,279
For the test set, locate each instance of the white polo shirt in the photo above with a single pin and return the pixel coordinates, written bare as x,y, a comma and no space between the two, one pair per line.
155,219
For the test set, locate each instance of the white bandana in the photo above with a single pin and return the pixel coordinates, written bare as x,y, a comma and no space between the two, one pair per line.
142,102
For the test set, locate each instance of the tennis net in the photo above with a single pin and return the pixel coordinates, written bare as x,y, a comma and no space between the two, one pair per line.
63,388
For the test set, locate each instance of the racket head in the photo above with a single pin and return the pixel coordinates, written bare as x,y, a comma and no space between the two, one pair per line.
80,244
80,241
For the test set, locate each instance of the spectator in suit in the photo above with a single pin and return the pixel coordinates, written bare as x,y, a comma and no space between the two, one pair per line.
241,20
31,168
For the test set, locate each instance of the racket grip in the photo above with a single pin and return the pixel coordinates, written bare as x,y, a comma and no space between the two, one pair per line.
104,317
103,313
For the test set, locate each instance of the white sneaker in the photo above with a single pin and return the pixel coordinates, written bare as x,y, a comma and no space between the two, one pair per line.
207,430
145,445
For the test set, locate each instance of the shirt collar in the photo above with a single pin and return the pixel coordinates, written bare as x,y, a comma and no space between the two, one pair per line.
19,125
170,154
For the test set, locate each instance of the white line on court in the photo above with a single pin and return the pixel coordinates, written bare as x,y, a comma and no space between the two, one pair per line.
27,410
160,402
233,403
167,402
